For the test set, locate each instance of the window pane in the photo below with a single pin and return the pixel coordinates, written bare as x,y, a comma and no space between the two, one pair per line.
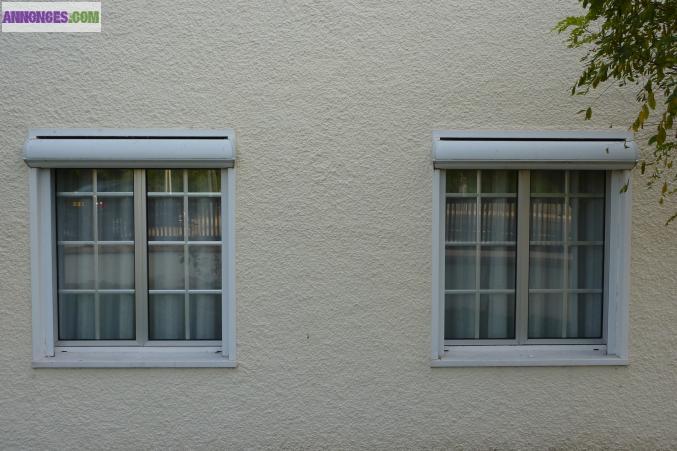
547,182
204,216
165,268
74,219
76,317
464,181
115,180
587,182
165,218
205,317
164,180
499,219
586,267
115,218
460,267
75,267
116,316
461,219
499,181
497,267
545,315
74,180
204,270
459,316
587,219
497,316
546,222
545,267
116,267
166,317
584,315
204,180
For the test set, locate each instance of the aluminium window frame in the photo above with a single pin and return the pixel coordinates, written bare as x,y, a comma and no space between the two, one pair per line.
48,350
613,348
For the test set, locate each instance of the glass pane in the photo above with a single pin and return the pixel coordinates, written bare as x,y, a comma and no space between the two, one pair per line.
459,316
76,267
165,268
72,180
76,317
546,219
74,220
547,182
459,268
586,267
164,180
464,181
204,219
165,218
461,220
116,320
584,316
116,267
115,180
545,315
204,180
166,317
204,270
497,316
499,219
587,219
205,317
545,267
499,181
497,267
115,218
586,182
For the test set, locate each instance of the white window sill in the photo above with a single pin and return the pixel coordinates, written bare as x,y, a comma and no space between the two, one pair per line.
537,355
118,357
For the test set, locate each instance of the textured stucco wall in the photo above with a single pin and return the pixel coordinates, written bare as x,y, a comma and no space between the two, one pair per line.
333,103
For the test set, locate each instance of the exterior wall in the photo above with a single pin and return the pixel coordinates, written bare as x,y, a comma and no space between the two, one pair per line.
333,104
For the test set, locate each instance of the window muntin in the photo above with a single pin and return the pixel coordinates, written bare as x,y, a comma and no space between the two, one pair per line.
101,232
563,300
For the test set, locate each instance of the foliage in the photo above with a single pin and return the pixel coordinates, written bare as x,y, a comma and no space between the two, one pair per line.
634,42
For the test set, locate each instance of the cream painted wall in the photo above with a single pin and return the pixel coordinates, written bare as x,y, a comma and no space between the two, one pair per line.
333,103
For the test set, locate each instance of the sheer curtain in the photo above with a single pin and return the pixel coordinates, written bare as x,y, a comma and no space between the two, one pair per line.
566,254
480,254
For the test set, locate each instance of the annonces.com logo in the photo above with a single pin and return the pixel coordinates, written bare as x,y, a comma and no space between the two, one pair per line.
51,17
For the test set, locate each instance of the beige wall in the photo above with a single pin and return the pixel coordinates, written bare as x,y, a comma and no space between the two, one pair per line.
333,103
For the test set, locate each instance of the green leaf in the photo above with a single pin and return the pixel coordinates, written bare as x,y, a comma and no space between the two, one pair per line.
660,137
588,113
642,168
651,100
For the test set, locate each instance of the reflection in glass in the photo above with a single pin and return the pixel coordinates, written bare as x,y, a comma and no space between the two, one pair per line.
115,180
587,182
587,219
74,180
461,181
76,317
165,218
545,315
204,267
545,266
499,181
204,180
76,267
204,219
115,218
546,219
164,180
497,316
586,267
584,315
116,267
459,316
460,268
205,317
165,268
547,182
116,316
74,219
166,317
497,267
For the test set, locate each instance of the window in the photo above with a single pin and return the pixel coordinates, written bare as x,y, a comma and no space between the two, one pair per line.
141,258
530,254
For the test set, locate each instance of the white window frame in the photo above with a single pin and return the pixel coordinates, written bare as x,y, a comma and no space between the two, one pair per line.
612,152
47,149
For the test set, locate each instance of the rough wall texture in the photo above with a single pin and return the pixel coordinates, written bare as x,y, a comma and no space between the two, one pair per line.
333,104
